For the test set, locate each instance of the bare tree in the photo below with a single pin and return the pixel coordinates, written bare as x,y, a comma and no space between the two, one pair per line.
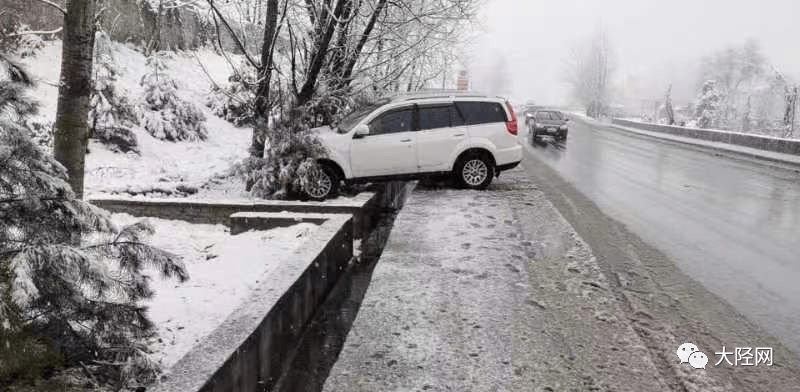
790,94
668,106
588,72
72,114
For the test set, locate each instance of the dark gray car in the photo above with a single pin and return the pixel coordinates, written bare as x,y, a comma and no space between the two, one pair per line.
547,122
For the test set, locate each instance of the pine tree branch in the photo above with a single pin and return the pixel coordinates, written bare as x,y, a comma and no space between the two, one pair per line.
21,199
114,244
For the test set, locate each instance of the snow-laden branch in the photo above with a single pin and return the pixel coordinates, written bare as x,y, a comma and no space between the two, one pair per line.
233,34
58,30
54,5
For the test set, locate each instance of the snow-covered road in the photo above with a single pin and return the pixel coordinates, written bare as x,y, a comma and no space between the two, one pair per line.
495,291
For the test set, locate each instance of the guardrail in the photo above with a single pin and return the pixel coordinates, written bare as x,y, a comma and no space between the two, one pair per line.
766,143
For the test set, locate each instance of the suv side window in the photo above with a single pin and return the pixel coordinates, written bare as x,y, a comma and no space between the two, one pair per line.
482,112
393,121
456,120
434,117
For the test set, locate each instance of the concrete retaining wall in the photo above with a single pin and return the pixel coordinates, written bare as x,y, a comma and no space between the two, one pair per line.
252,348
214,212
364,207
786,146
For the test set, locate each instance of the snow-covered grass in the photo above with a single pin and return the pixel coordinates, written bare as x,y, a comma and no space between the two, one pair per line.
161,165
223,269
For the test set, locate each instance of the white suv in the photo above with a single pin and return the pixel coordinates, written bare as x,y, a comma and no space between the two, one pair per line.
473,137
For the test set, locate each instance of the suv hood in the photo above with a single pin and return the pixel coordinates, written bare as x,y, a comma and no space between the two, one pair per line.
323,129
325,133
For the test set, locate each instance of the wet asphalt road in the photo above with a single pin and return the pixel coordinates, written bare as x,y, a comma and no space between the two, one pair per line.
731,224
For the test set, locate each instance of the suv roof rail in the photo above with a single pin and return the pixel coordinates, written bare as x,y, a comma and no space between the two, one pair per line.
425,94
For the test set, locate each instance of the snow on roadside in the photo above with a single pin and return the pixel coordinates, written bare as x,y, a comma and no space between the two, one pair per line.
223,269
161,165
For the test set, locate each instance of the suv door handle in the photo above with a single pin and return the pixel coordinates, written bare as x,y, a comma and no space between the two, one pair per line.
458,134
405,140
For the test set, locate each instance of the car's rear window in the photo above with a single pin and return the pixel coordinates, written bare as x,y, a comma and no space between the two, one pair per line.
433,117
482,112
548,116
439,116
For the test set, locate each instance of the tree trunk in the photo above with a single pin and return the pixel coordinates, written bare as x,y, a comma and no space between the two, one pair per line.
339,52
668,106
262,104
72,114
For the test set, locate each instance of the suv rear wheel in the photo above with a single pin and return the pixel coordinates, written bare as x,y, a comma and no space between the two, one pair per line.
474,171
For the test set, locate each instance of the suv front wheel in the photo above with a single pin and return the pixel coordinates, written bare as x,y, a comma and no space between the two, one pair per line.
323,182
474,171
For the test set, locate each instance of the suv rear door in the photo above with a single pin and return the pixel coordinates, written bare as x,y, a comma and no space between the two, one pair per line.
487,120
390,147
441,130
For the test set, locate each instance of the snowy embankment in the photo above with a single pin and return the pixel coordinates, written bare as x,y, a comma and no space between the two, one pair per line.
223,269
162,165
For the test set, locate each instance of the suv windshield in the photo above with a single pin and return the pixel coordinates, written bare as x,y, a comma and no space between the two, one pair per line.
349,121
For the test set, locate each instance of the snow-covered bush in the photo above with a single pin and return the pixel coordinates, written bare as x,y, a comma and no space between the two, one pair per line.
235,102
117,139
13,38
29,44
110,105
70,282
329,107
708,107
290,155
165,115
111,110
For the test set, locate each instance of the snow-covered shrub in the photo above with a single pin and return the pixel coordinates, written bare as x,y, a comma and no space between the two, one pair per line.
13,39
165,115
117,139
329,107
109,105
235,102
111,110
708,106
29,45
290,155
70,282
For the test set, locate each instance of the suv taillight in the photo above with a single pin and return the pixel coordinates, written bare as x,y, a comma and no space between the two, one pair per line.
511,126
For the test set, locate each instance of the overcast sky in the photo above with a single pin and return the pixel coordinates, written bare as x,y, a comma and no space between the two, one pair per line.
657,42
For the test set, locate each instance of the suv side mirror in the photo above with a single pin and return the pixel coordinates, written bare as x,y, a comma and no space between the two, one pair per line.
361,131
